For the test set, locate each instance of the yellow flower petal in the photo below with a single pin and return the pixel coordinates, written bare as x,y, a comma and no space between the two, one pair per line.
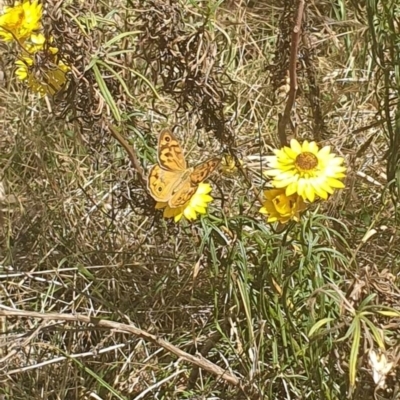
305,147
291,154
313,148
178,217
263,210
309,193
324,152
291,188
38,39
296,147
335,183
319,191
190,213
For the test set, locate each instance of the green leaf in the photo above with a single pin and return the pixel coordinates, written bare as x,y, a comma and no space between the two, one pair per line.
106,93
389,313
354,352
376,332
119,37
318,325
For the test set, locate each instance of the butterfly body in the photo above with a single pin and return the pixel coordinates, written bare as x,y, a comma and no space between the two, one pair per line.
171,180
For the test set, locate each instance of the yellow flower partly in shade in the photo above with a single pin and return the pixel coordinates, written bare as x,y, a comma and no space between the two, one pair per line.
47,81
20,21
196,205
306,170
280,207
37,43
228,164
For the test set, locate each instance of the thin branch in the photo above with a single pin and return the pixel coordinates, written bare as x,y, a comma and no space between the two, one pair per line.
197,361
292,75
128,149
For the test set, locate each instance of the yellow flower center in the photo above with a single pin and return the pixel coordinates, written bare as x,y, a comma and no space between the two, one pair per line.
306,162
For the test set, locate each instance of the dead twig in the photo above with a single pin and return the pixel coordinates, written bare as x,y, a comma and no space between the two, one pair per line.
292,75
131,154
197,361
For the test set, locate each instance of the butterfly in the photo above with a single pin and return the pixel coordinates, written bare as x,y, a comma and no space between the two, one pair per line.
171,180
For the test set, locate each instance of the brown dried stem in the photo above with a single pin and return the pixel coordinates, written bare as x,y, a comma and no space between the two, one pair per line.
128,148
103,323
292,75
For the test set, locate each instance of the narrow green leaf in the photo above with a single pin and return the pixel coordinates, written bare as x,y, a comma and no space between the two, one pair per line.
318,325
354,352
350,331
106,93
376,332
119,37
142,77
389,313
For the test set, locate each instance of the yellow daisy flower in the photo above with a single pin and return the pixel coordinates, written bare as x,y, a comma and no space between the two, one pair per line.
20,21
47,81
306,170
282,208
228,165
196,205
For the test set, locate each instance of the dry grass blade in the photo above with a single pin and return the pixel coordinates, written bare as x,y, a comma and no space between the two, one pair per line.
103,297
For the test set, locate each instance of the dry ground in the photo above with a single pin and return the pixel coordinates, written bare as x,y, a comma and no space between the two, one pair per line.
79,234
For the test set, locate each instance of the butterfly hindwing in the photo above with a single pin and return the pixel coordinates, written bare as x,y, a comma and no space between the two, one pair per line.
162,183
184,193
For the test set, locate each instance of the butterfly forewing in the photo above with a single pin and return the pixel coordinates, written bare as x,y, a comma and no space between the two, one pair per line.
204,170
170,153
